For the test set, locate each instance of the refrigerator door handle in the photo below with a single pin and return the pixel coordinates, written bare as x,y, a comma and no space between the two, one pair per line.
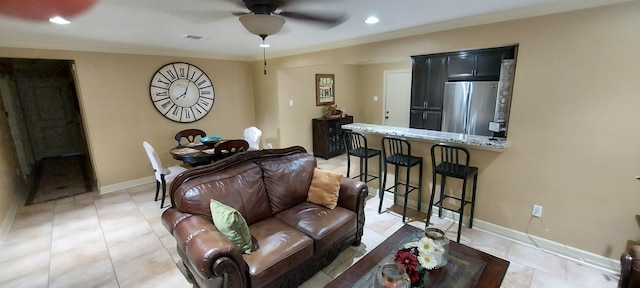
468,112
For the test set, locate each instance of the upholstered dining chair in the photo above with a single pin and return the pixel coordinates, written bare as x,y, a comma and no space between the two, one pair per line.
164,176
189,134
252,135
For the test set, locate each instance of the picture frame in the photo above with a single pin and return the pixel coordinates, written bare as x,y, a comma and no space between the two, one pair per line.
325,89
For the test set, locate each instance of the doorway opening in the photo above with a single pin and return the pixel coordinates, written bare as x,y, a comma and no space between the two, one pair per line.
47,128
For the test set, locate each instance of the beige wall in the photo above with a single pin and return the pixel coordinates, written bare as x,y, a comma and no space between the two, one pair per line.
572,129
119,115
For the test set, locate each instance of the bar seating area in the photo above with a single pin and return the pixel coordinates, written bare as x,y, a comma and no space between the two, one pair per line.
450,157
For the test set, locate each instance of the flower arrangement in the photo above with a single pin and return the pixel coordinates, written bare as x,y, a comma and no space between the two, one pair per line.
417,258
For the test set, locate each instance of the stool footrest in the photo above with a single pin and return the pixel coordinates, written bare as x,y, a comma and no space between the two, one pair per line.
367,177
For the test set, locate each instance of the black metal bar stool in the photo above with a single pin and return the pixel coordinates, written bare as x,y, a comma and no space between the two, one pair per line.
397,151
356,145
454,162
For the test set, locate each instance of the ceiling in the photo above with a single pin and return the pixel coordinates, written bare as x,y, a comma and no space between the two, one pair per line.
157,27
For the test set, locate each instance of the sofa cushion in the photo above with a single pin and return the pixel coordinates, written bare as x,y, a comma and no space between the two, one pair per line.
326,226
277,248
287,179
239,186
324,188
231,223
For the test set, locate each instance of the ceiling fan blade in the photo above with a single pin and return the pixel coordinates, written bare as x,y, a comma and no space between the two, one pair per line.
327,19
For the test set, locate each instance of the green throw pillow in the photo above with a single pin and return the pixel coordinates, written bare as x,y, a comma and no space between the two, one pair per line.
231,223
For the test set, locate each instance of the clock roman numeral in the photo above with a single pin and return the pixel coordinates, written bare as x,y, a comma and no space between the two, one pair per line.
170,72
182,72
163,82
205,92
202,82
161,94
175,111
193,75
187,113
204,102
165,104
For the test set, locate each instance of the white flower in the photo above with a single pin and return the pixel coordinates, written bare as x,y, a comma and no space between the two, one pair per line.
427,260
426,246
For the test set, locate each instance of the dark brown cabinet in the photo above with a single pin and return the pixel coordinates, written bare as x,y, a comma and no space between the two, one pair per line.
482,65
427,82
327,136
424,119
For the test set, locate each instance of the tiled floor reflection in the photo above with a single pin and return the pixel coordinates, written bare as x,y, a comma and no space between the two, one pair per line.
117,240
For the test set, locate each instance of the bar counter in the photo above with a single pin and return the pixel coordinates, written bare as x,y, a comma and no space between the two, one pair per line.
471,141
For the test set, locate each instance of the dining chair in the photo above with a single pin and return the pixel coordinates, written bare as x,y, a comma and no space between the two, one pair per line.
189,134
164,176
229,147
253,135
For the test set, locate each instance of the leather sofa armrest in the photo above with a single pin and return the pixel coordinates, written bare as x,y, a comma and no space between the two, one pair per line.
352,193
209,253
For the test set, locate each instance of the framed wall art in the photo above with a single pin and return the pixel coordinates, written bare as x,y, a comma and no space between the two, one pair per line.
325,89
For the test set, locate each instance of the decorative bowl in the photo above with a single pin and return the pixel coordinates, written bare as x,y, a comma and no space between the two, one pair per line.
210,141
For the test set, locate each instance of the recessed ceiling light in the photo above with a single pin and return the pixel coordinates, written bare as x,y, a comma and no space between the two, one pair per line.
59,20
265,45
372,20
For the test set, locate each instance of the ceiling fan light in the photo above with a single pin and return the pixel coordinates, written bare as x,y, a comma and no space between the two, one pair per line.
262,24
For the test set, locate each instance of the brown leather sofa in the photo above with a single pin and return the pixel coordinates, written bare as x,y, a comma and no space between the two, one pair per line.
292,238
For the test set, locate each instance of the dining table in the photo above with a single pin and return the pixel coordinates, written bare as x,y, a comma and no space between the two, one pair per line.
194,154
197,153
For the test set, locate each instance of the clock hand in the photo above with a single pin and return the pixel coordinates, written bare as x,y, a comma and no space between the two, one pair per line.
184,94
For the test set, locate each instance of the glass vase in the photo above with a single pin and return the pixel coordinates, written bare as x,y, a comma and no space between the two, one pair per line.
439,237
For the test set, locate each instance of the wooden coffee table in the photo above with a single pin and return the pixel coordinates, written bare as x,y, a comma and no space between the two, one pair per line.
467,267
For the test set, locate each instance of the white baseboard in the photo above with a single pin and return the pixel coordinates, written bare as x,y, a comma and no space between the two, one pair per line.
560,249
5,226
127,184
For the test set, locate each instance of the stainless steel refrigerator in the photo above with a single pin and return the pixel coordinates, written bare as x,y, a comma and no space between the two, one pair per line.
468,107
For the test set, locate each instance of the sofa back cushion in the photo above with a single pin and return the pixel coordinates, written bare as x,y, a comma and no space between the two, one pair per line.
287,179
239,186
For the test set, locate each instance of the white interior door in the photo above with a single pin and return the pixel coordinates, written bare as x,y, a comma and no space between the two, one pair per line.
397,95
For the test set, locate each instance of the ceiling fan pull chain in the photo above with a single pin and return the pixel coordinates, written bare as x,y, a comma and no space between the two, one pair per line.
264,56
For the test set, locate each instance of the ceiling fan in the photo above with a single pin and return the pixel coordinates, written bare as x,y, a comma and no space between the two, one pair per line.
266,17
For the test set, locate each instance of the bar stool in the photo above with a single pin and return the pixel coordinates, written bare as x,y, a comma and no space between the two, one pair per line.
454,162
393,152
356,145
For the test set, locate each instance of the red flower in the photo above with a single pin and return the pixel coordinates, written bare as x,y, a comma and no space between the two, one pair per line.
405,258
414,276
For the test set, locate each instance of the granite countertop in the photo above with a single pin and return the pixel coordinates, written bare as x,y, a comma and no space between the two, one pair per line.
471,141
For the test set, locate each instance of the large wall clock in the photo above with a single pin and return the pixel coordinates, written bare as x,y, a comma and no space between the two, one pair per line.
182,92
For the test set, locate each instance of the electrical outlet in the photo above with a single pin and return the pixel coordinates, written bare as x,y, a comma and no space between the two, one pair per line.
269,145
537,211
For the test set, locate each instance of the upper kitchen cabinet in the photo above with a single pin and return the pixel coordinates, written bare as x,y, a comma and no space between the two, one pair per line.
427,84
482,65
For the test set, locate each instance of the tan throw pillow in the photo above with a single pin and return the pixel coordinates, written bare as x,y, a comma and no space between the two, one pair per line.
325,187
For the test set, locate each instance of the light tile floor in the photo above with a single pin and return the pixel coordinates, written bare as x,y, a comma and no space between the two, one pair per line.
117,240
